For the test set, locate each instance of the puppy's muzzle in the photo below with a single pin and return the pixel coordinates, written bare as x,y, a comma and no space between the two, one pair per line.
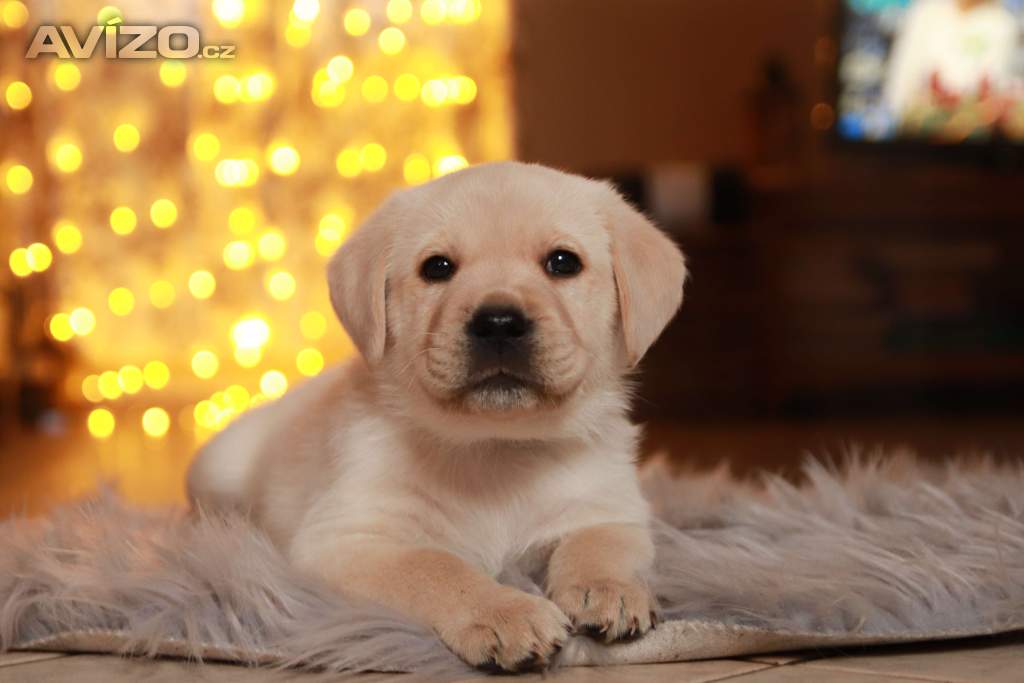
500,337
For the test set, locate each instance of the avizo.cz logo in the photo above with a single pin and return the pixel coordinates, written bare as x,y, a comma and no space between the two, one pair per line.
123,41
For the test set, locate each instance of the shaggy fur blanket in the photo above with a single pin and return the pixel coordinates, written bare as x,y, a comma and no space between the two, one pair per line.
878,550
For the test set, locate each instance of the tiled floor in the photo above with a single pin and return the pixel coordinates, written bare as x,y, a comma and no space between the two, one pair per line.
993,660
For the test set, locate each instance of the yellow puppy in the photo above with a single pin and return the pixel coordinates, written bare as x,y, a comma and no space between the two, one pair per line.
497,311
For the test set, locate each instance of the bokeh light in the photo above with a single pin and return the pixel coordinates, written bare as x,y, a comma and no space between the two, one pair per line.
66,76
19,179
202,284
123,220
205,364
162,294
163,213
67,237
101,423
172,218
18,95
357,21
126,137
155,422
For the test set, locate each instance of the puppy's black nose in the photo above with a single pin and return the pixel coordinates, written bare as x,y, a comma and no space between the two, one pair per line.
499,324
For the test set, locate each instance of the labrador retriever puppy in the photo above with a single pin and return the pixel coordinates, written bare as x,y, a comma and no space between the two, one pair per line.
498,312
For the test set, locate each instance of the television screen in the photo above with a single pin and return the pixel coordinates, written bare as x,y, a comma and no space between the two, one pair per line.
946,71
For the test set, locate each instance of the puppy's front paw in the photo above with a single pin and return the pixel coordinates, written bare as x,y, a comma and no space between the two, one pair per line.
606,609
509,631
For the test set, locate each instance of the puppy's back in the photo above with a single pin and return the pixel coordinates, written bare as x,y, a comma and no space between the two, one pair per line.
228,470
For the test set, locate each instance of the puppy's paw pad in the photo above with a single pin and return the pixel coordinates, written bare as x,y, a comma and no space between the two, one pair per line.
509,633
607,610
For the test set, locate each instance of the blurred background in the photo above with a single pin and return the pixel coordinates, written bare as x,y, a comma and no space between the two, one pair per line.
844,176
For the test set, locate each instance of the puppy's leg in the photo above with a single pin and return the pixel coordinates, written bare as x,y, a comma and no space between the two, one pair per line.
489,625
596,577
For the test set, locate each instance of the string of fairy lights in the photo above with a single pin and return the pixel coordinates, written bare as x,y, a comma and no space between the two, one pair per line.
177,215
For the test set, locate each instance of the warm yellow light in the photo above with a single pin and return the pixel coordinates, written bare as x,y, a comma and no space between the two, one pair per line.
123,220
340,69
306,10
330,234
156,374
416,169
273,383
38,256
126,138
334,222
19,179
374,88
463,11
101,423
108,385
121,301
60,327
399,11
347,163
280,285
205,364
156,422
326,92
258,87
129,378
91,389
449,164
238,255
327,242
309,362
435,92
227,89
65,156
83,321
236,397
462,89
248,358
172,73
205,146
66,76
313,325
67,237
432,12
242,220
161,294
229,13
283,159
202,284
163,213
357,21
251,332
271,245
14,14
373,156
407,87
18,261
236,172
297,34
391,40
18,95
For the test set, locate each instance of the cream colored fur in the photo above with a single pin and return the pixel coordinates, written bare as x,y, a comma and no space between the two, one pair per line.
397,481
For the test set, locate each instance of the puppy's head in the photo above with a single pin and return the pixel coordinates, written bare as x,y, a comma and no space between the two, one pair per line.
505,289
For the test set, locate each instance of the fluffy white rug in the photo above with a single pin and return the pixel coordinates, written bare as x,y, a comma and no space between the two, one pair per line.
881,550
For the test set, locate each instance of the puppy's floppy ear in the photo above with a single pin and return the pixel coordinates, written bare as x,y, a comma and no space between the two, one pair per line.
649,275
357,280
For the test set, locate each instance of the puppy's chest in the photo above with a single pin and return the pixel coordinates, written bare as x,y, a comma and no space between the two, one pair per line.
498,520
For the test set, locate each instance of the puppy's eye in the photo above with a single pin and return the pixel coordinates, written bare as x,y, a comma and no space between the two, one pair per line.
437,269
563,263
